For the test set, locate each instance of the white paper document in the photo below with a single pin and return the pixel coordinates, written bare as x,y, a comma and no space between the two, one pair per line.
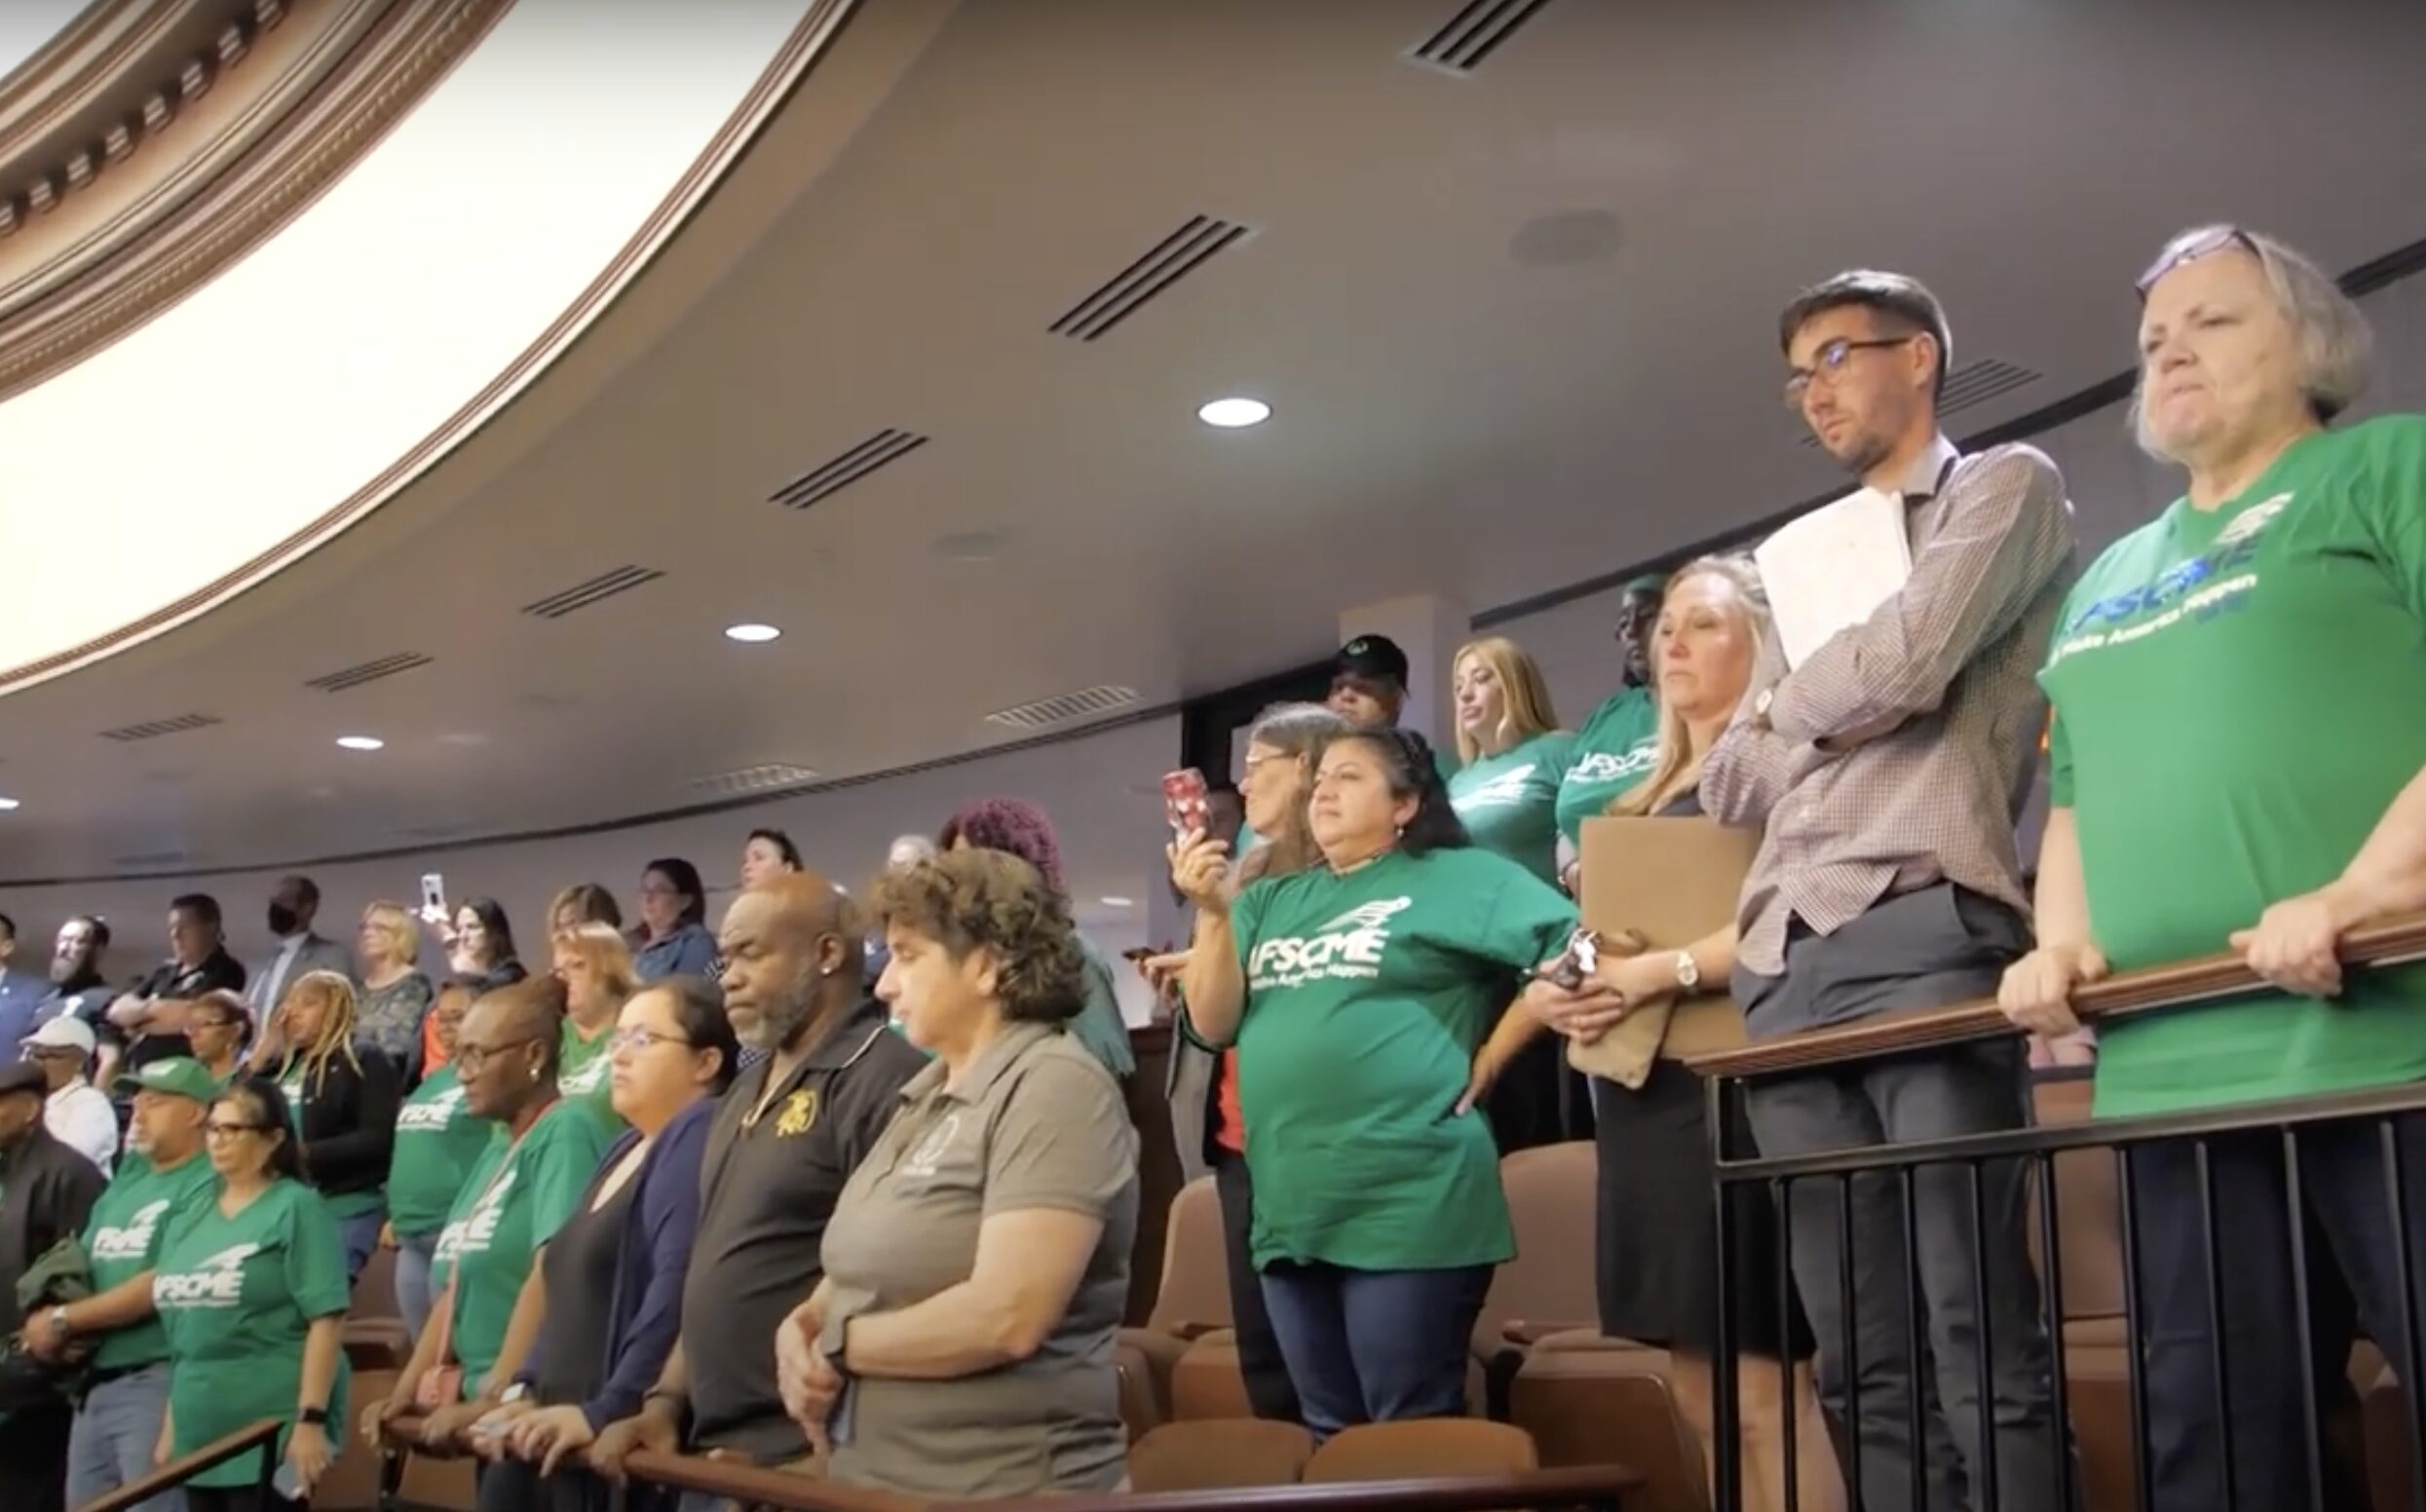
1832,568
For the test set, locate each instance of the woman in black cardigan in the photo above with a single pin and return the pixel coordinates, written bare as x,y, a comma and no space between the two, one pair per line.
344,1098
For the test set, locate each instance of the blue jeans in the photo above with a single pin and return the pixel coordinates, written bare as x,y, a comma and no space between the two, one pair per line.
413,1299
1374,1346
113,1437
360,1234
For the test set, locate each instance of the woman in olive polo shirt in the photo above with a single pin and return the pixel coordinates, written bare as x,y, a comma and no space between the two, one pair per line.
2239,756
252,1291
976,1264
1359,992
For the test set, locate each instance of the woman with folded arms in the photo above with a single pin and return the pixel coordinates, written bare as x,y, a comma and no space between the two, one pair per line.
1359,992
1658,1280
438,1140
609,1284
976,1264
344,1099
252,1291
1511,756
2290,580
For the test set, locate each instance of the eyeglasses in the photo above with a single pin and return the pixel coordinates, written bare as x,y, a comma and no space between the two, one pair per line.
469,1058
215,1129
638,1040
2221,238
1830,364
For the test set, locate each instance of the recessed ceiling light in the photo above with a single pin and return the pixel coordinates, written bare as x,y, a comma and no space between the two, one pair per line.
1119,902
1235,413
752,634
7,805
361,742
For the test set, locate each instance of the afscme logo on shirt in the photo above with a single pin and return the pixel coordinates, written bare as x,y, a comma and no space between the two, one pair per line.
1609,766
1347,949
1508,787
477,1230
218,1282
132,1241
2196,589
435,1113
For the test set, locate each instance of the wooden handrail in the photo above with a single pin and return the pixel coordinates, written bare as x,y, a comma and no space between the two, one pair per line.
752,1485
177,1472
2395,942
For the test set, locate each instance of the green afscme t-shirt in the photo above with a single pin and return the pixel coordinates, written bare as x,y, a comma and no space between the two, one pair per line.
437,1143
1367,997
1615,749
1509,800
513,1201
2239,695
124,1236
236,1297
582,1067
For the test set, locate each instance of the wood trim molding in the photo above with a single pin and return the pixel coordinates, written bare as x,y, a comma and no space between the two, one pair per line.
433,33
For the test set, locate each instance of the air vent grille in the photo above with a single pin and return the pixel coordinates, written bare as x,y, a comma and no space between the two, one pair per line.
1149,278
580,595
1474,33
368,671
766,778
832,477
1044,713
1972,385
155,729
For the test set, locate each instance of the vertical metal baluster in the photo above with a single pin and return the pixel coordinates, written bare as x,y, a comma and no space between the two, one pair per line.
1985,1493
2295,1207
2050,1246
1913,1322
1852,1352
2412,1388
1792,1450
2125,1186
2213,1253
1726,1494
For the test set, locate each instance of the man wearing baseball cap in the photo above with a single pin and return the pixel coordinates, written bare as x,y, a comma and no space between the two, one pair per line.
1368,687
164,1174
75,1110
47,1191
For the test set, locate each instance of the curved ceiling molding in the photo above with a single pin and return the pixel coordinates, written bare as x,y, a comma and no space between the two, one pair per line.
201,452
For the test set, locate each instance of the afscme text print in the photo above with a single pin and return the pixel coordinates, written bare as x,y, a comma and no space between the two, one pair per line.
2205,585
1347,949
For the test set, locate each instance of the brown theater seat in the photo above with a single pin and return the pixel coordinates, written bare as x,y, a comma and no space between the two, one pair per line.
374,1290
1434,1447
1549,1286
1590,1400
1193,1298
1220,1454
1141,1408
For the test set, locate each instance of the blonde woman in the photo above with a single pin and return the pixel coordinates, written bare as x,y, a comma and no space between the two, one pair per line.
595,967
1512,756
396,995
343,1099
1658,1282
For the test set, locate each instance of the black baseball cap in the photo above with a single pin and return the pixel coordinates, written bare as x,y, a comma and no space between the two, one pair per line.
1375,657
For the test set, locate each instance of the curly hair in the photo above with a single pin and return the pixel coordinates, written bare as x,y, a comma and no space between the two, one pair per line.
1009,825
989,899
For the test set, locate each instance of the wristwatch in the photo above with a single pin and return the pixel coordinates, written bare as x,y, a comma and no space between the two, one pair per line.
60,1329
1689,971
312,1417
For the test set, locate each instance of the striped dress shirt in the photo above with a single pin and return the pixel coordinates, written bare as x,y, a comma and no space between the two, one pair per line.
1896,756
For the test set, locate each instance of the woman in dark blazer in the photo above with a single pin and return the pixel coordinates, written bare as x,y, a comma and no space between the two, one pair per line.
344,1099
608,1286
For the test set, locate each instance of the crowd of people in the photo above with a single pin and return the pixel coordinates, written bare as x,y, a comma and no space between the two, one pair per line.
851,1187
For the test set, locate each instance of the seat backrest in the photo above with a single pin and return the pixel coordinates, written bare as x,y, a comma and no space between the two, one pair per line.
2088,1209
1430,1447
1552,1191
1219,1454
1195,1265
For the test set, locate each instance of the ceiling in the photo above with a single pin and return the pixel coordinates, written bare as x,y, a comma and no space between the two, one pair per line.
1473,392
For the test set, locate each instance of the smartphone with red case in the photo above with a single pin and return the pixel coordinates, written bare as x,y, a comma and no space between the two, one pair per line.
1182,800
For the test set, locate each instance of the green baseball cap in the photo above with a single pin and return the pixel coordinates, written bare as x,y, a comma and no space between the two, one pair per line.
179,1075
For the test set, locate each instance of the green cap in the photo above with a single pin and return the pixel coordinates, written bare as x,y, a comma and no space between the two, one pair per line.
1646,582
179,1075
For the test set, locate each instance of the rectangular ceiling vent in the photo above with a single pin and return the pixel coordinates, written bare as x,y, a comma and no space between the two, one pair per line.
1474,33
1045,713
368,671
156,728
580,595
1150,276
1970,385
829,479
766,778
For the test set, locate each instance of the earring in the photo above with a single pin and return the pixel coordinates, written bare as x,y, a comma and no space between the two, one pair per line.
534,1073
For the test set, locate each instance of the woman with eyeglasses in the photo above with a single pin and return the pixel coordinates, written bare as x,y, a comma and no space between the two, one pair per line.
674,922
396,994
217,1029
438,1140
595,967
250,1288
609,1284
344,1099
1358,993
528,1182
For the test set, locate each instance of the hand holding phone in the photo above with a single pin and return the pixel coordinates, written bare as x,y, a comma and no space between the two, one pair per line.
1184,801
432,897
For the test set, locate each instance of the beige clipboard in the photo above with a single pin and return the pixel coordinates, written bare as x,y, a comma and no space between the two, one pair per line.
1667,882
